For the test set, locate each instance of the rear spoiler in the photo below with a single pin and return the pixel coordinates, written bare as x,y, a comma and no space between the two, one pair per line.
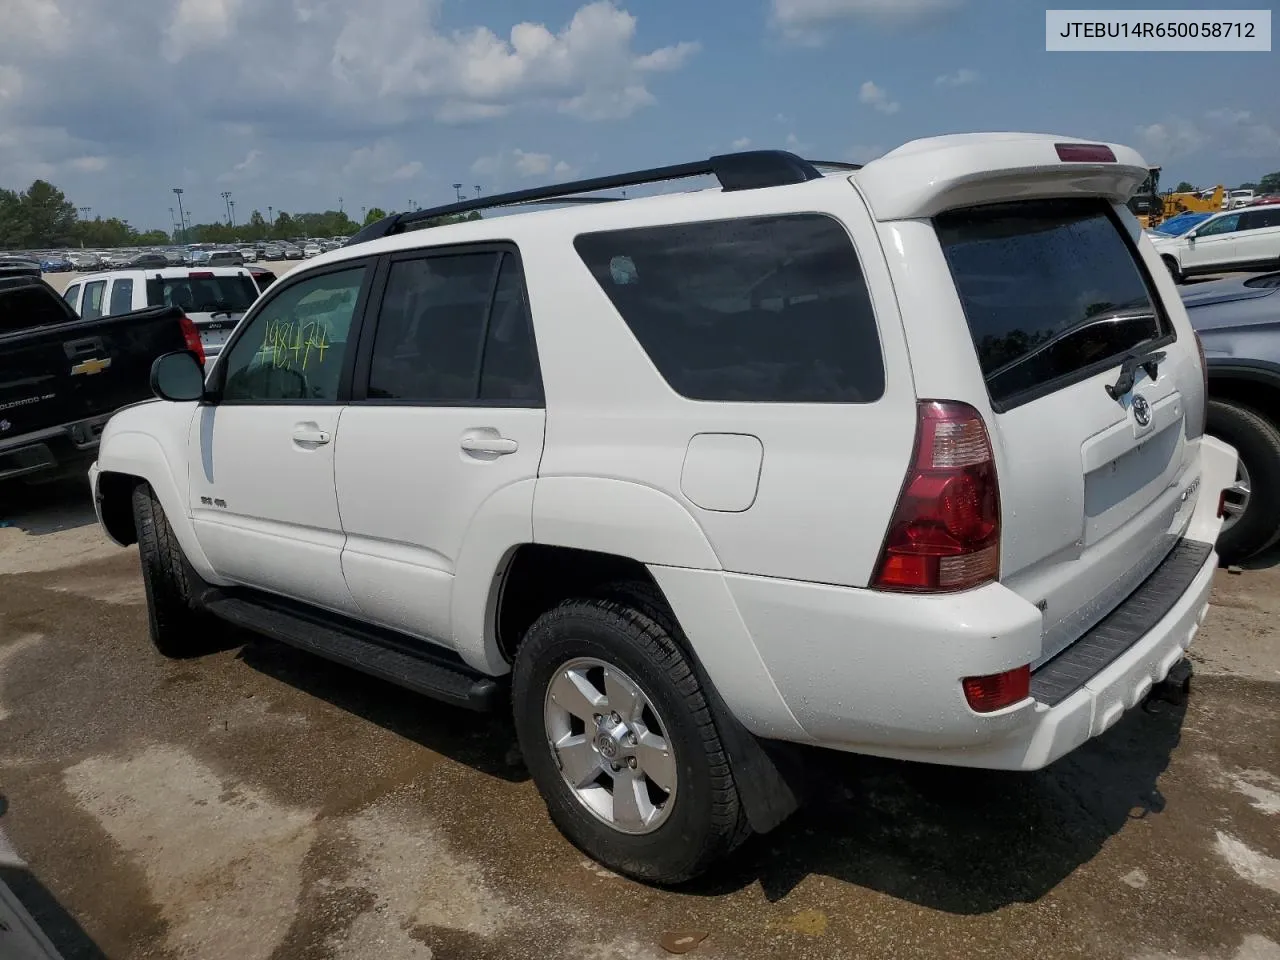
925,177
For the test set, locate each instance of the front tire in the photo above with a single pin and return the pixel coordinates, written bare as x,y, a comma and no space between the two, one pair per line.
1174,269
178,627
1253,507
620,741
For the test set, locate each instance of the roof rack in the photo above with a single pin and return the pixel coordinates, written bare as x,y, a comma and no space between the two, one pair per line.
747,170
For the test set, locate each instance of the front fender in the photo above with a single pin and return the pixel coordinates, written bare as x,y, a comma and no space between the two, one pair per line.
140,455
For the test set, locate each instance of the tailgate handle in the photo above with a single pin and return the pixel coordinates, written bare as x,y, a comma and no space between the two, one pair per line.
80,348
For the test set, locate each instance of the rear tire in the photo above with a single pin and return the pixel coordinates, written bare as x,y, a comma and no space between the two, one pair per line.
705,820
1257,441
179,628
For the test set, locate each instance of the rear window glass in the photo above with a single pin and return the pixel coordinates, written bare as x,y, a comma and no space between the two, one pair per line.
27,305
1050,289
203,294
766,309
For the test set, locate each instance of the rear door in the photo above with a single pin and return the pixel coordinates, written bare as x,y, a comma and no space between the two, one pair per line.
445,426
1212,244
1258,241
1092,485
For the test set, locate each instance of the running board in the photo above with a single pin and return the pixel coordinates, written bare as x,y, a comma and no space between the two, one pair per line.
402,662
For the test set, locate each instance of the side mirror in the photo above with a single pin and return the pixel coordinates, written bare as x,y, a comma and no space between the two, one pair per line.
177,377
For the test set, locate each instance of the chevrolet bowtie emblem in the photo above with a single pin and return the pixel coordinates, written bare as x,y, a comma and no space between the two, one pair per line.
90,367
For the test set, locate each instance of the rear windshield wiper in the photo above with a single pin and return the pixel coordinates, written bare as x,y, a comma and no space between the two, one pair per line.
219,306
1148,361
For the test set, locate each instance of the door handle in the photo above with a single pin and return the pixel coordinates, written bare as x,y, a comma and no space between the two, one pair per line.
310,434
487,443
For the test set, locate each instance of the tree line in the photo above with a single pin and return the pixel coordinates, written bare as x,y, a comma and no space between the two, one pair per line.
42,218
1268,184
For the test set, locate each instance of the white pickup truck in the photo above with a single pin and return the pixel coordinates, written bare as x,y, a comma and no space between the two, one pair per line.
215,298
905,460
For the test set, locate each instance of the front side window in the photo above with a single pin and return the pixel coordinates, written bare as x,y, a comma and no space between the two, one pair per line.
91,309
1049,289
121,296
294,347
766,309
454,329
1222,225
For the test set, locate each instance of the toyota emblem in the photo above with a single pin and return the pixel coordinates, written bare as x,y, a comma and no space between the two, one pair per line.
1141,411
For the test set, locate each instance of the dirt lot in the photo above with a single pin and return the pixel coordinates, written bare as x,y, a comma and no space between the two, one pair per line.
260,803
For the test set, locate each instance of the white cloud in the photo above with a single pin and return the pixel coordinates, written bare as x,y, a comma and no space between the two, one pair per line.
1162,142
382,162
406,171
801,20
509,165
199,24
962,77
741,143
88,164
242,170
877,98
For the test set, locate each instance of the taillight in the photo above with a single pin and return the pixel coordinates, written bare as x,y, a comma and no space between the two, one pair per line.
945,533
191,335
999,690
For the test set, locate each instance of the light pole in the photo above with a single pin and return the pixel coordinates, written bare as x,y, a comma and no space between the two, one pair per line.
86,211
173,224
232,204
457,191
477,191
362,215
339,204
271,220
181,216
226,202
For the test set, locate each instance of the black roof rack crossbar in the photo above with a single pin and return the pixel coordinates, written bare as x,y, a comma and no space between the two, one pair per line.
747,170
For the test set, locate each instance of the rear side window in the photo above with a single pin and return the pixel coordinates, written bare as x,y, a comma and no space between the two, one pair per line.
91,309
24,305
1260,219
1051,291
71,294
765,309
121,296
203,293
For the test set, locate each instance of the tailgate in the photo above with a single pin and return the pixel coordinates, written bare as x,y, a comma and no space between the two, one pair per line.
62,374
1095,401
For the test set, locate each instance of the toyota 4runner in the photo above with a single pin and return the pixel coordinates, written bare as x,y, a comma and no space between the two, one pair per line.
905,460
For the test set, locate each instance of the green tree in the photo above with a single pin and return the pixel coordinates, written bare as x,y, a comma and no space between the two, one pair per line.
1270,183
374,215
283,226
1184,187
152,238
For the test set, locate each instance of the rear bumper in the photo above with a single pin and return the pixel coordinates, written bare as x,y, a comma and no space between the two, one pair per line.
878,673
46,450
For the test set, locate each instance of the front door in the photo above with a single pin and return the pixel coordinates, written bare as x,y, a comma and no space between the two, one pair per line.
262,491
1214,243
442,440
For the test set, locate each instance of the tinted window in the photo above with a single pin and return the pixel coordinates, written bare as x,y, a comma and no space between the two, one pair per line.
1221,225
294,347
91,309
770,309
1049,288
71,293
434,335
509,370
1258,219
203,294
121,296
24,304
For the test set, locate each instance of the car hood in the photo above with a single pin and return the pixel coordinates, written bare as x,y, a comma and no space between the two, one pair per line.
1222,291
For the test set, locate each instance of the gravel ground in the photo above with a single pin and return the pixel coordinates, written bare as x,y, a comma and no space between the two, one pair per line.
262,804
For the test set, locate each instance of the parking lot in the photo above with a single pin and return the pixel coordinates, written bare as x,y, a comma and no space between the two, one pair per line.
261,803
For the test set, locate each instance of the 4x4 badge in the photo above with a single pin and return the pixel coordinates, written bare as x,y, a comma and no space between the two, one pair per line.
1141,410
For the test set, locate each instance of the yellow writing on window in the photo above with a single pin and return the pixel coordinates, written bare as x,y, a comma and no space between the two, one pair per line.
293,345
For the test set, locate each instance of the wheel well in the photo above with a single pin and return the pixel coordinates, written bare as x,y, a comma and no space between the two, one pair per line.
115,491
540,576
1260,395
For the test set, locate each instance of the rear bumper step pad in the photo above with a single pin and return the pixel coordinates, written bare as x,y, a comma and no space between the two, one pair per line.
1122,627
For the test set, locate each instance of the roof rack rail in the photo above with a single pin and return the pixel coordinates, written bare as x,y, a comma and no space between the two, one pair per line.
747,170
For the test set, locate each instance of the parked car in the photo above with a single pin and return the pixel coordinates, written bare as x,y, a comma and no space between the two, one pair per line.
311,250
55,264
261,276
215,298
62,377
148,261
853,464
1238,320
273,251
292,252
1179,225
249,254
84,260
1239,198
1244,239
225,258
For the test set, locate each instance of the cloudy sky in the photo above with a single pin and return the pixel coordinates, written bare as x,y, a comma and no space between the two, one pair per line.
295,103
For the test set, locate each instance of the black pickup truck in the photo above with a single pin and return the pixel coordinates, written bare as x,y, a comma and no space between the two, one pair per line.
61,378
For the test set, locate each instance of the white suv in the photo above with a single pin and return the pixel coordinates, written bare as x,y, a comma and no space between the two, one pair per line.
904,460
